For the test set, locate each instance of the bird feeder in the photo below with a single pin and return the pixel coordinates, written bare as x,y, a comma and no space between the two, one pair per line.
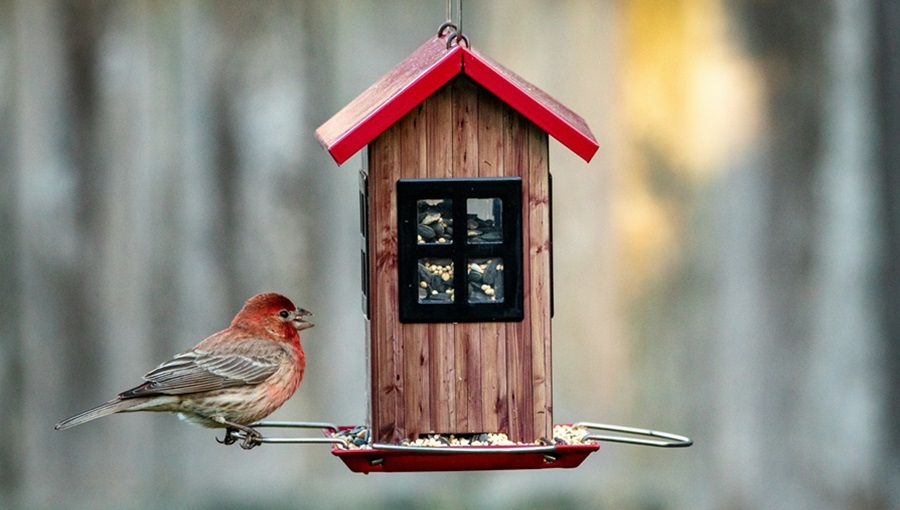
455,226
456,255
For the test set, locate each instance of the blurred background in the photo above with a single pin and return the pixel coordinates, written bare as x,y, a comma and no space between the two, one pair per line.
726,266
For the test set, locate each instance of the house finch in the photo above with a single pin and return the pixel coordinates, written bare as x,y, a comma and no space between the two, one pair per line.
229,380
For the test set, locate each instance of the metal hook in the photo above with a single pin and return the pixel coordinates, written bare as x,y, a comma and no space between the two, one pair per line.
674,440
446,26
459,38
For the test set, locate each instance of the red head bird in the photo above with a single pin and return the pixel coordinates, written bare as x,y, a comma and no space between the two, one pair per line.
229,380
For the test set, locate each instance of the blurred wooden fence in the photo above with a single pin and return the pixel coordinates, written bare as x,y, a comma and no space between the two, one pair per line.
157,167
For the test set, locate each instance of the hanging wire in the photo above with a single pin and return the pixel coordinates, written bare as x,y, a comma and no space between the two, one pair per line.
460,14
448,25
453,29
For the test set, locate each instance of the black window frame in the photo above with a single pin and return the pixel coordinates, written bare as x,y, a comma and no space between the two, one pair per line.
460,250
364,239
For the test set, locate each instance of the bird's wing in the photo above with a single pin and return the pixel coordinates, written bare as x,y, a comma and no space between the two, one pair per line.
199,369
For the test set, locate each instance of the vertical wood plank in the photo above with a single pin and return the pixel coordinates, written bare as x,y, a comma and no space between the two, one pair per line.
492,115
387,390
468,344
413,342
518,334
539,253
442,341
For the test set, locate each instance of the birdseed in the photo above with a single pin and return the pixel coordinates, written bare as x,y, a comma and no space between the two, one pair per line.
359,437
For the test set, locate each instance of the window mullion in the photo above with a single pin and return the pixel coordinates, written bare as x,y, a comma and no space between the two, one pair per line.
460,281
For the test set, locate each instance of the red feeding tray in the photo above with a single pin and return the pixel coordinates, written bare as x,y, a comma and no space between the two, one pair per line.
393,458
382,458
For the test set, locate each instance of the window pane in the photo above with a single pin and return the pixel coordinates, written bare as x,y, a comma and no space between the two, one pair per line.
435,221
435,280
485,220
485,278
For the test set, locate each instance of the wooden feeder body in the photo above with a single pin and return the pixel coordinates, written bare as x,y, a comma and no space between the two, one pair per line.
450,114
463,377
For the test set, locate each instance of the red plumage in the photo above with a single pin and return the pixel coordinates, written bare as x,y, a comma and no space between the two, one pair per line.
229,380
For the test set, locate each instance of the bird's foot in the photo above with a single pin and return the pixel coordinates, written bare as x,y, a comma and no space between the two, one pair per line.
234,433
252,439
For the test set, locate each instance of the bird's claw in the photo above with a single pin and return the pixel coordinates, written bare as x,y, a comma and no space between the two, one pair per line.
231,436
251,438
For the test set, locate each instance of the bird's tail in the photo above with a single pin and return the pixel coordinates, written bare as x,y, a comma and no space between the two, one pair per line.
117,405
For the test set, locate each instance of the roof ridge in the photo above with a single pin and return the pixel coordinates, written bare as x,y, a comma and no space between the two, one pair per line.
425,71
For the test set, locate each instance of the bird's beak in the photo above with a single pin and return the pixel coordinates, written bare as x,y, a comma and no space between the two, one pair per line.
300,321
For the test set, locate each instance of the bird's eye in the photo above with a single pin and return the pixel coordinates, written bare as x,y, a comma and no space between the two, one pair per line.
284,314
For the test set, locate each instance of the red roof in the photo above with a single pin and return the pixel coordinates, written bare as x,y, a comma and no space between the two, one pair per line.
422,74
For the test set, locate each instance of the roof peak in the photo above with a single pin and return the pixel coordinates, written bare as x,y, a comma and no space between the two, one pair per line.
425,71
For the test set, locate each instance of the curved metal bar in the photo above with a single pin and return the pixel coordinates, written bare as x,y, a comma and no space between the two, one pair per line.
296,440
459,38
674,440
447,25
305,440
295,425
464,449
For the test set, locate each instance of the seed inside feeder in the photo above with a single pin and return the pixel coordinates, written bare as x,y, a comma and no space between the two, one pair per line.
435,278
358,438
435,221
484,220
485,278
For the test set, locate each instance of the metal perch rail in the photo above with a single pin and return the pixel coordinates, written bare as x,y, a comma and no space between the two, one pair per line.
668,440
674,440
294,440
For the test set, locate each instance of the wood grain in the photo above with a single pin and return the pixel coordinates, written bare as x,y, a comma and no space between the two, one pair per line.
492,116
413,341
518,334
387,414
466,377
468,338
442,339
538,242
